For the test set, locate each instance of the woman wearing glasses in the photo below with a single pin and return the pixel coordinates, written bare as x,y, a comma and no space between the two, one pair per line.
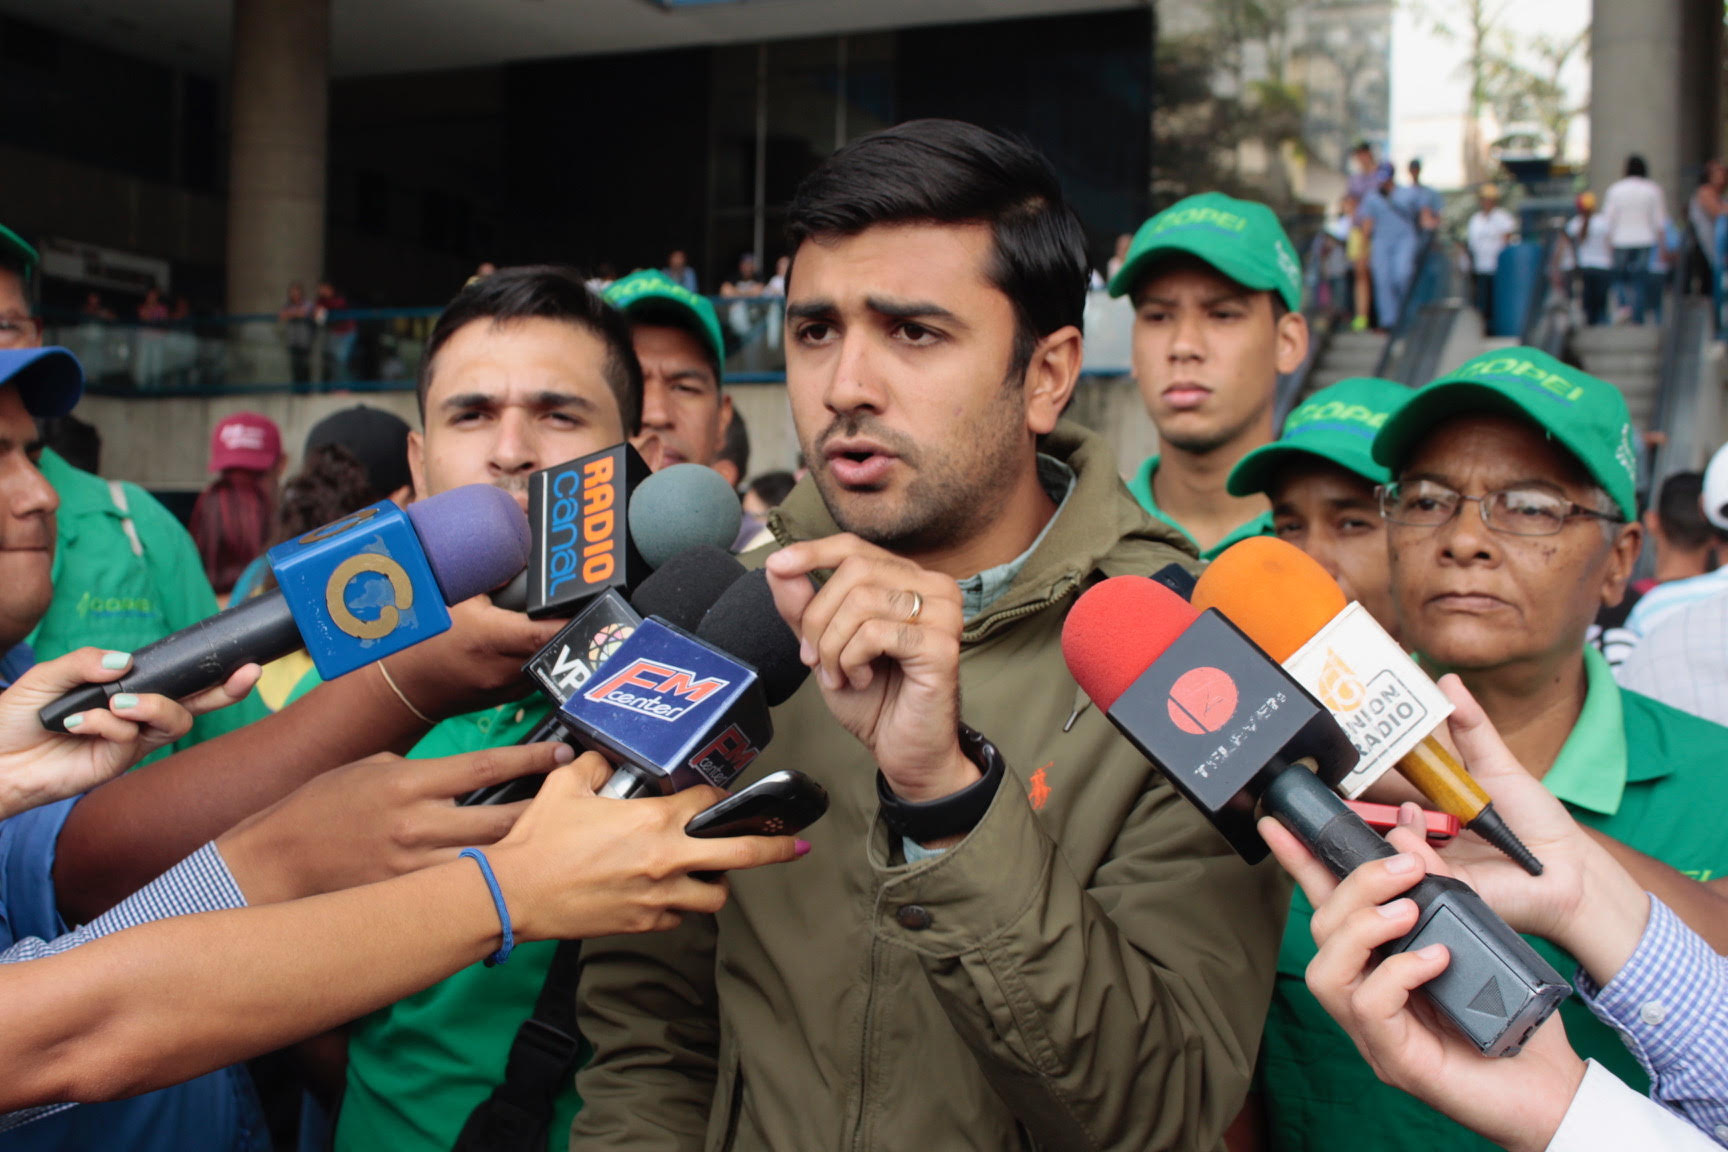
1510,521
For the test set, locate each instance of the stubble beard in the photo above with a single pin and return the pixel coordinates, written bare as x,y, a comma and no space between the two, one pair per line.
949,499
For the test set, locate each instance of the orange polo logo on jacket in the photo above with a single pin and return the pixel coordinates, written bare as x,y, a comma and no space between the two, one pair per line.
1040,790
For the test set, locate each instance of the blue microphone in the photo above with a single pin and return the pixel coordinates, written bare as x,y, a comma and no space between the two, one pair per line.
354,591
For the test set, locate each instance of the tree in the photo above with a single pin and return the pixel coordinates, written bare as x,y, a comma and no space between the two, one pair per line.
1525,82
1473,25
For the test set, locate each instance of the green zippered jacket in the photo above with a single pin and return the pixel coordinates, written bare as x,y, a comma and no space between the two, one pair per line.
1089,968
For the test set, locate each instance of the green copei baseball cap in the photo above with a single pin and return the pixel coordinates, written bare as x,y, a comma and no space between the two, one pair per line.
1586,415
1240,238
1336,424
651,296
14,250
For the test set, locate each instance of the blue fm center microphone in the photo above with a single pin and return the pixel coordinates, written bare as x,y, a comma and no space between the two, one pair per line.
672,710
354,591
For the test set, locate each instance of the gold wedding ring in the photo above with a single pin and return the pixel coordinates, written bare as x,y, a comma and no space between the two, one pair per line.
917,608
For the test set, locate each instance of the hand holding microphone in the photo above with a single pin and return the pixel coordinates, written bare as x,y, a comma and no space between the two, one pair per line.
1518,1103
1233,731
39,766
352,592
1290,606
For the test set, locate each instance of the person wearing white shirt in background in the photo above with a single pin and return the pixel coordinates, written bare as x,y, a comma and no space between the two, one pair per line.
1592,260
1637,216
1640,969
1487,233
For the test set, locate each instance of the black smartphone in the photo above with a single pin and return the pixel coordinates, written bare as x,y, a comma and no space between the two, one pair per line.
779,804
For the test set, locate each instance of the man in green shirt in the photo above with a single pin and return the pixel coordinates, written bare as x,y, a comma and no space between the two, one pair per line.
1321,477
1511,522
524,370
1217,294
125,571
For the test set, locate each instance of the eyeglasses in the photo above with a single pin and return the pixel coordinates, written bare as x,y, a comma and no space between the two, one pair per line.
1515,511
18,330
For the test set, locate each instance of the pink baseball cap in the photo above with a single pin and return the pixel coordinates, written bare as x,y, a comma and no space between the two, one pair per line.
245,440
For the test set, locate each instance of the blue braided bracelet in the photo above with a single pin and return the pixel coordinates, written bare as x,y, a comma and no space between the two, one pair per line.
503,952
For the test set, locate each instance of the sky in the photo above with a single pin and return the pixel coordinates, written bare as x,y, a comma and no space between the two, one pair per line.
1429,88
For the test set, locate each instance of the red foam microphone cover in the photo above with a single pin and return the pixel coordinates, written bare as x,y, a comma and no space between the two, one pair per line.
1115,631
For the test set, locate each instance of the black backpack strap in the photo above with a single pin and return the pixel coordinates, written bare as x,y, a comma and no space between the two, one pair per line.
514,1118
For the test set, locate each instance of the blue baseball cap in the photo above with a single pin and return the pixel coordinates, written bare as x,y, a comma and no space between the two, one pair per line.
50,380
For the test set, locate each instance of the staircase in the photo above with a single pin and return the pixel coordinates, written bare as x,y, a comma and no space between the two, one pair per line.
1628,356
1348,354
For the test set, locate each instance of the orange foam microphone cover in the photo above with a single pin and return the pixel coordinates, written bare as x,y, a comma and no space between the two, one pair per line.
1275,592
1116,629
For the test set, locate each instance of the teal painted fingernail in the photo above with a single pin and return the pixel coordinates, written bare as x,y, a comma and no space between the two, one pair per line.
125,700
116,660
73,722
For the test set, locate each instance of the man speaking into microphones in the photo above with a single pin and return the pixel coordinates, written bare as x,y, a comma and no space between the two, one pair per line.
1009,930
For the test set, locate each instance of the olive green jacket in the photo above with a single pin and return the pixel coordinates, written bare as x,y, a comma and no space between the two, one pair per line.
1089,968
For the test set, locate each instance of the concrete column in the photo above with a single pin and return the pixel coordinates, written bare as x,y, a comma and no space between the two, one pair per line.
1635,91
279,119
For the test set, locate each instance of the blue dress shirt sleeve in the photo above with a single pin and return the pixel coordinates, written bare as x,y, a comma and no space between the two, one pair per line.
1670,1003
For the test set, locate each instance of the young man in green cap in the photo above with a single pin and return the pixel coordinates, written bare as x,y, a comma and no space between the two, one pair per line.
678,343
1217,293
126,572
1511,521
1321,477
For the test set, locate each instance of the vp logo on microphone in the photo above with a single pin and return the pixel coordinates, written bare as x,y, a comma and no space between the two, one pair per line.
359,589
1202,700
649,688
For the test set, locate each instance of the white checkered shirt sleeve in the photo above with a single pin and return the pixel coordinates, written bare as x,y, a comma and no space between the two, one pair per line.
199,883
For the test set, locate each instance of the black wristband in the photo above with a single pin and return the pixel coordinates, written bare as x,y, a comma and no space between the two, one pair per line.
952,815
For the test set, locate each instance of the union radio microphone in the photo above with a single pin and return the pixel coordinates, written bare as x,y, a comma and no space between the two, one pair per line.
1390,709
603,521
671,709
680,592
354,591
1233,731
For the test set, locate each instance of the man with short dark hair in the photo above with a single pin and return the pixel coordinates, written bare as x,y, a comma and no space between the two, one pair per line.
1217,294
1010,931
1511,522
525,370
676,335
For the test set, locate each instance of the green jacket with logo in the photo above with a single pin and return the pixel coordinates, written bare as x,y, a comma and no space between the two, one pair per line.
113,593
1089,968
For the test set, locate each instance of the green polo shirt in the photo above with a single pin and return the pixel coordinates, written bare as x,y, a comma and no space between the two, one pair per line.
418,1068
109,594
1320,1094
1141,487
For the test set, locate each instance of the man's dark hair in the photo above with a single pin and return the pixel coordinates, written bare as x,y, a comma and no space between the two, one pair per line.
547,292
1362,146
773,487
1635,166
1680,513
737,445
949,172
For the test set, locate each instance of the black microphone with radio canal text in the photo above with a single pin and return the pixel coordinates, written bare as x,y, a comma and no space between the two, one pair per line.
672,709
604,521
352,592
681,591
1233,731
